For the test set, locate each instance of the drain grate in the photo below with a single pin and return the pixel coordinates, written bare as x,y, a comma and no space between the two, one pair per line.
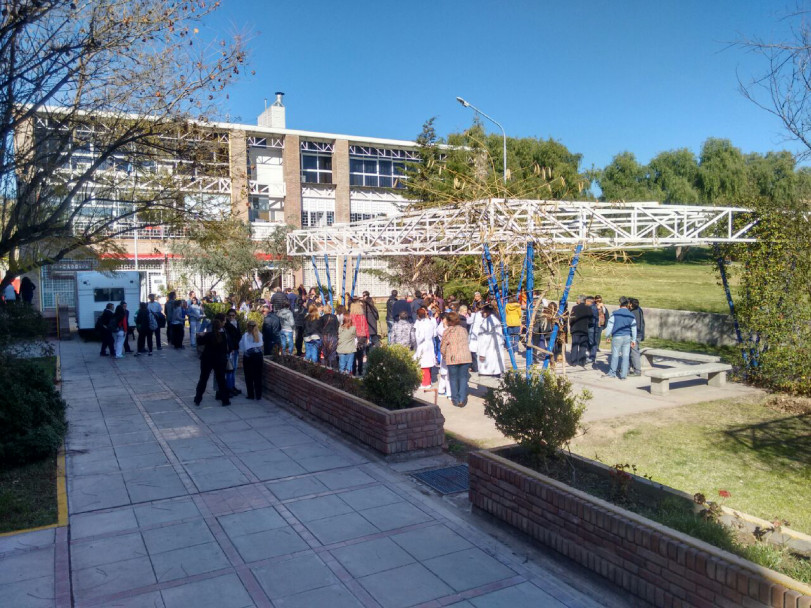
446,481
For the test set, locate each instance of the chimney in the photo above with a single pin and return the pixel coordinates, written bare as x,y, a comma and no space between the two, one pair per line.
273,116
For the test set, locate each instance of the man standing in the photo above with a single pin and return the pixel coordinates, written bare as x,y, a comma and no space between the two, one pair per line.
169,311
233,336
599,318
579,321
390,318
155,310
372,317
416,303
278,300
103,325
401,306
636,357
621,330
271,329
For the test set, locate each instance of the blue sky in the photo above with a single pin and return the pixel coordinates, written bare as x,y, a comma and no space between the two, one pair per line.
599,77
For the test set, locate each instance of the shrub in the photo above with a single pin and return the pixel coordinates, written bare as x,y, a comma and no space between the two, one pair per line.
32,412
540,412
213,308
20,321
392,376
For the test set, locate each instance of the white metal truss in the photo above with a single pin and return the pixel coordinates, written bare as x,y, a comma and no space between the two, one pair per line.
507,226
392,153
269,190
266,142
325,147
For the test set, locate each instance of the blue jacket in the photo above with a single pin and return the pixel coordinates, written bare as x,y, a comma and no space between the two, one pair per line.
622,323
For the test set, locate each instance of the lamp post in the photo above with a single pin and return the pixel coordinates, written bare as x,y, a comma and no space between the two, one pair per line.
503,135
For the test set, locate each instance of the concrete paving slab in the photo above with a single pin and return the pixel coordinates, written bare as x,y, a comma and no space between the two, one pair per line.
224,591
271,464
109,579
398,515
84,525
405,586
269,543
245,441
97,552
367,498
27,565
372,556
312,509
189,561
177,536
94,492
32,593
344,478
324,463
468,569
214,474
153,484
295,488
293,576
194,448
432,541
334,596
341,527
250,522
27,540
525,594
161,512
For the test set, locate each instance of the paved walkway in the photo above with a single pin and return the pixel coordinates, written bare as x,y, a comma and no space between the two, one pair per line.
611,398
177,506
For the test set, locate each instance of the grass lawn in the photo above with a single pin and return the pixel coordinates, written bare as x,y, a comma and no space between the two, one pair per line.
762,457
656,279
28,496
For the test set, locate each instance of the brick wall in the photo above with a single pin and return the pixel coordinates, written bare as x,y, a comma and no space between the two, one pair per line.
389,432
662,567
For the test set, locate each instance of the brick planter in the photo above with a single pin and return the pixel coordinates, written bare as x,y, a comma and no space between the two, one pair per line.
657,564
418,430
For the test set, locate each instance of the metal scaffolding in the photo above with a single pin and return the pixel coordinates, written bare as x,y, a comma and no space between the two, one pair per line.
464,229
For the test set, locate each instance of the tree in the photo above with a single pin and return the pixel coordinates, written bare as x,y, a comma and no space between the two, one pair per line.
625,179
223,250
722,173
784,86
95,96
675,173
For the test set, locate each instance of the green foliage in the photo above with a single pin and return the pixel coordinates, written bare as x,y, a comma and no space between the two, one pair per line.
540,412
392,376
213,308
32,413
19,321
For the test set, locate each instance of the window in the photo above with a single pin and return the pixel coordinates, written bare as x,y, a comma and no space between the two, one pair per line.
314,219
316,168
376,172
108,294
359,217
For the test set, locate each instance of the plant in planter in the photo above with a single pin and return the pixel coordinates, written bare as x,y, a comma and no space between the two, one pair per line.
392,376
540,411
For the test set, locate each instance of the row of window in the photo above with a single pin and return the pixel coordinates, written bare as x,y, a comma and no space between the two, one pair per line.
316,168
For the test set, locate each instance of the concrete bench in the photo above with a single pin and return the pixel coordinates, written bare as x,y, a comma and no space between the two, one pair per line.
649,353
660,377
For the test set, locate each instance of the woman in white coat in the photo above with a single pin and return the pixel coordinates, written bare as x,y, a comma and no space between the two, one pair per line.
424,332
490,343
474,323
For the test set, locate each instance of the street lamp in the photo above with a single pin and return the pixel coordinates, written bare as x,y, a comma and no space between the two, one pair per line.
503,134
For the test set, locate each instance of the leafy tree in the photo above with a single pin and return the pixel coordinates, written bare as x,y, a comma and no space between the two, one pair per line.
225,252
95,95
675,173
722,172
625,179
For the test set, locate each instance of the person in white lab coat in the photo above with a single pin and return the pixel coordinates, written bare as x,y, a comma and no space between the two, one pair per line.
490,344
424,332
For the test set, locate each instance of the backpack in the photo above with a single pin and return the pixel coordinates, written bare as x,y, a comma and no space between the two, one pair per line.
160,318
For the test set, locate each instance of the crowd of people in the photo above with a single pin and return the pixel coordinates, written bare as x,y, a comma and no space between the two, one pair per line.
449,339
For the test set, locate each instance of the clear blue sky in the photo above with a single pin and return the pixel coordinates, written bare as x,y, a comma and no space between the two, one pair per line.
599,77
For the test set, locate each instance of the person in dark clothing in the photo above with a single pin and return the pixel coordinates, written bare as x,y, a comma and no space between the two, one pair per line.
636,356
103,326
312,334
400,306
233,335
168,311
291,298
416,304
390,318
271,329
372,317
278,300
146,324
580,320
300,314
599,319
27,288
329,337
213,358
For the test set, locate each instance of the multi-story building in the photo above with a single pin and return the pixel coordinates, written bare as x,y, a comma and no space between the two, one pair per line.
270,175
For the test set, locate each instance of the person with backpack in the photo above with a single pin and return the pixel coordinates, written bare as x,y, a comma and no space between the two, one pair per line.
636,355
146,324
213,358
119,327
154,307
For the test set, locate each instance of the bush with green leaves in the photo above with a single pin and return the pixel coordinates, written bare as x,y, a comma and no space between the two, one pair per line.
32,412
392,376
20,321
540,412
212,308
